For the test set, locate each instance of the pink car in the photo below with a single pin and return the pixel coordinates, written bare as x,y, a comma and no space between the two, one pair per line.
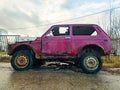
82,44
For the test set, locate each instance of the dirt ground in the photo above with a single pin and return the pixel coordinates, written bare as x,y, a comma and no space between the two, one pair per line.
53,79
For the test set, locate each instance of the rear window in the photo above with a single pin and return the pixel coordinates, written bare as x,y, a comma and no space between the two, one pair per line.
83,30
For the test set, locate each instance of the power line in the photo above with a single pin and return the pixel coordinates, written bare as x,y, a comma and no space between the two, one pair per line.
65,20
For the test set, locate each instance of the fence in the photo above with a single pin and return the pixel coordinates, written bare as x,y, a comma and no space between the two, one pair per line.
4,41
116,46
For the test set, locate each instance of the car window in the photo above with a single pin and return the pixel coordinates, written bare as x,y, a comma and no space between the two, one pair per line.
84,30
59,31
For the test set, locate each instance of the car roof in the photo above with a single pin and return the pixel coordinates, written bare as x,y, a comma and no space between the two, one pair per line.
75,24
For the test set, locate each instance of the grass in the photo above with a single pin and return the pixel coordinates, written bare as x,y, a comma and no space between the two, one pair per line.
5,59
114,61
3,53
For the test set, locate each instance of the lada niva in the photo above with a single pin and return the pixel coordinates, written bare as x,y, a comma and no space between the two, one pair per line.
81,44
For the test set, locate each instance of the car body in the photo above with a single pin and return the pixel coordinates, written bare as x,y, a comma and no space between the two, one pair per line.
66,41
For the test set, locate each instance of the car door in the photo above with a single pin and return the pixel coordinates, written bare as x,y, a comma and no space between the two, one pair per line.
83,35
57,41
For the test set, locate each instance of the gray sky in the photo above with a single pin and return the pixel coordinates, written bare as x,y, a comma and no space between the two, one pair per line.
34,17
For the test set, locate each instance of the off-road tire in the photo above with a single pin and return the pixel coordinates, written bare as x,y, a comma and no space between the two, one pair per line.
22,60
90,63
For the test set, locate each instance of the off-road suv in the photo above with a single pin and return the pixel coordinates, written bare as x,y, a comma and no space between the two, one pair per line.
81,44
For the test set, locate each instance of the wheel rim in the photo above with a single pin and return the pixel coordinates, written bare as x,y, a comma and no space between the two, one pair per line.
21,61
91,62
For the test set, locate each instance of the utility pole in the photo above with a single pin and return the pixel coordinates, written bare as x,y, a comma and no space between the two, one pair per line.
110,18
108,56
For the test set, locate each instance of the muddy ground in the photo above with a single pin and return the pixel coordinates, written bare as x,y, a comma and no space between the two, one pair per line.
56,79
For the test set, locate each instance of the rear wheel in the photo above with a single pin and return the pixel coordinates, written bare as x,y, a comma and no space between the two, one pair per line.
22,60
90,62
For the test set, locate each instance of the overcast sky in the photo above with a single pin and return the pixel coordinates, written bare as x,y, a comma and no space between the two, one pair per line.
34,17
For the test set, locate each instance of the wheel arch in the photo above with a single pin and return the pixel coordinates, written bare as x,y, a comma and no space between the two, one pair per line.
93,47
24,47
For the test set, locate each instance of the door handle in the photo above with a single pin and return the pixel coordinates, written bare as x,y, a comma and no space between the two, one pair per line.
67,38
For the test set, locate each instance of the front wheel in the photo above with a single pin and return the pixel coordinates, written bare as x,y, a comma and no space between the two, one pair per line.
90,63
22,60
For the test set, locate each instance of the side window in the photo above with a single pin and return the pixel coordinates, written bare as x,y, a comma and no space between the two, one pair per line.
59,31
63,30
84,30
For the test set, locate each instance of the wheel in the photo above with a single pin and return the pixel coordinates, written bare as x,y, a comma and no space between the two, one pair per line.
90,63
22,60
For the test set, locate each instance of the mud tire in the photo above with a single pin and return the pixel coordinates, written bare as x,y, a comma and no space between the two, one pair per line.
87,60
22,60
